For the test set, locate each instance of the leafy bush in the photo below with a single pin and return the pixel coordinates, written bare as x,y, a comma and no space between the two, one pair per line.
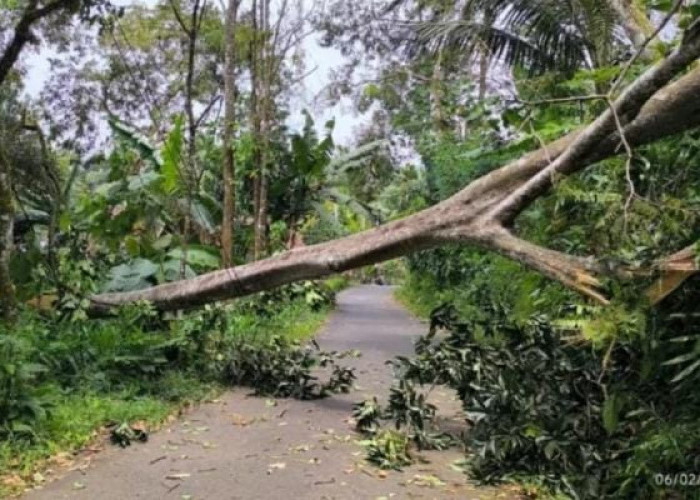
285,369
588,423
21,403
314,293
388,450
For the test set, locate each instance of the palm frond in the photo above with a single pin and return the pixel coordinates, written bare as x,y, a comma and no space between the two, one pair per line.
135,139
539,35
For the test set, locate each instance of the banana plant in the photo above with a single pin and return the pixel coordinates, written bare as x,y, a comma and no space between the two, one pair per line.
312,177
136,200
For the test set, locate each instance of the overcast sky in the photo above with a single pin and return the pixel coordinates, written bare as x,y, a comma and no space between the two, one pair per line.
323,59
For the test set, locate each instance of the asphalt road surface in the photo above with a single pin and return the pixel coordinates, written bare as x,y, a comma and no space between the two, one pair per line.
243,447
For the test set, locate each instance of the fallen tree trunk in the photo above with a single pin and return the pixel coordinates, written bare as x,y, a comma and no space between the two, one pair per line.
650,109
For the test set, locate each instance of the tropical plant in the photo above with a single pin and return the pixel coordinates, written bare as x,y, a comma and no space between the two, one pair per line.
313,177
22,404
536,34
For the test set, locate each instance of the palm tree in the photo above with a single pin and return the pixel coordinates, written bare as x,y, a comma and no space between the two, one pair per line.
539,35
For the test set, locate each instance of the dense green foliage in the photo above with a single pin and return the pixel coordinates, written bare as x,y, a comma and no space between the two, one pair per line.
589,401
577,420
582,400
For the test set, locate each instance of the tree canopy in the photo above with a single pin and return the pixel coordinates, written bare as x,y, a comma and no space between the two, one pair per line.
532,162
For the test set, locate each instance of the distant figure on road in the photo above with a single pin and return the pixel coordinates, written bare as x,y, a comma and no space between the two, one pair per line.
378,279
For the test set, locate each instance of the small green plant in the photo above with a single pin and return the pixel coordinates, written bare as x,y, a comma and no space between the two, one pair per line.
388,449
22,404
367,415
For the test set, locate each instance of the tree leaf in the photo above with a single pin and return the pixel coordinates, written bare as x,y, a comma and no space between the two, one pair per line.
198,256
172,156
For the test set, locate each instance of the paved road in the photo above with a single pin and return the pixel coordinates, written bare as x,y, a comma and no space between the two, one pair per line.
242,447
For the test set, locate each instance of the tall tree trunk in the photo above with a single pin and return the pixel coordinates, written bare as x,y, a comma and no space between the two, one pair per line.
483,212
229,166
483,71
256,119
191,32
484,57
7,215
190,177
437,112
266,62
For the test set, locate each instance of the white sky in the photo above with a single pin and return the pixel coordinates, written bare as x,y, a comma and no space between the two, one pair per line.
324,59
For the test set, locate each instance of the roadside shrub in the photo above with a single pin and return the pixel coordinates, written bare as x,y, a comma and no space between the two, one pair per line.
140,353
314,293
587,423
285,369
22,404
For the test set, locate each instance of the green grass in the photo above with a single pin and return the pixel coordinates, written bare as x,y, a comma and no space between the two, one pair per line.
337,283
73,423
420,297
300,324
79,410
294,321
75,419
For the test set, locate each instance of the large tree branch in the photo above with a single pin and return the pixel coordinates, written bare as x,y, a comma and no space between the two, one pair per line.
627,105
23,33
466,217
383,243
577,273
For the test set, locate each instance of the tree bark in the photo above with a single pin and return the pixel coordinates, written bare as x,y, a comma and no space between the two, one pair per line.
437,113
23,32
7,214
650,109
189,174
229,167
255,119
264,111
191,32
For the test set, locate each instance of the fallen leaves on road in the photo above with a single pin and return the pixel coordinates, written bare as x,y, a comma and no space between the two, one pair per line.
240,420
427,480
178,477
276,466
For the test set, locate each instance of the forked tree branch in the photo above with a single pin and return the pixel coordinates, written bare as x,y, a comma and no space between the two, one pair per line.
465,217
627,105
